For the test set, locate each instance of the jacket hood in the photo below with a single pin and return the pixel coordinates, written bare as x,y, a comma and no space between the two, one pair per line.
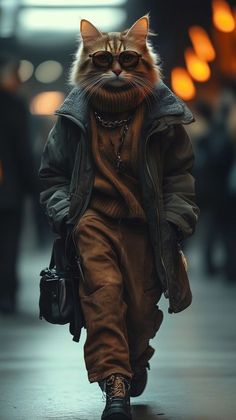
164,105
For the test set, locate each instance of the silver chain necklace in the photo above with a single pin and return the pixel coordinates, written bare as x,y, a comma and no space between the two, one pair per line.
119,163
111,124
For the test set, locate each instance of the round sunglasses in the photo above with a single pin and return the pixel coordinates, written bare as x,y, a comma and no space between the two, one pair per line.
104,59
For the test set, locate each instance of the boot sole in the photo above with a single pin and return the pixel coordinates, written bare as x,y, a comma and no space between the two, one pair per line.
116,417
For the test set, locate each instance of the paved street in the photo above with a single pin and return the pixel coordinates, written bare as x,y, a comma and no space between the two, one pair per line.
193,373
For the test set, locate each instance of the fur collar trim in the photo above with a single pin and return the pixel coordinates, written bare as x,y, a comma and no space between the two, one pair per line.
165,105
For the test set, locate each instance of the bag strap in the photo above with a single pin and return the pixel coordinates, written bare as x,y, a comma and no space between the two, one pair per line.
77,311
58,255
52,259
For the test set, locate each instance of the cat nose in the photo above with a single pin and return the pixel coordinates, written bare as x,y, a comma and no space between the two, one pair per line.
116,69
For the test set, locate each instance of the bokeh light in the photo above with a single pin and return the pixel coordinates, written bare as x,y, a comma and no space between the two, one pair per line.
182,83
46,103
48,71
67,20
26,70
202,43
222,16
74,2
198,68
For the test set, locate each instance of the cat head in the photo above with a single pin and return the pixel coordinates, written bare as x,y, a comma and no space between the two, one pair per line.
115,61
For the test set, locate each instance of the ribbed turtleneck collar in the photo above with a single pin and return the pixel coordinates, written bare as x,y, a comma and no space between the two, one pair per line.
117,102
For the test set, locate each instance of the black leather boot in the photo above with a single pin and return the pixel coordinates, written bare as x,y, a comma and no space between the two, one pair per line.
139,381
117,407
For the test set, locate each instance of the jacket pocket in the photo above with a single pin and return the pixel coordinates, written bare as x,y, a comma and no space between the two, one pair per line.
180,294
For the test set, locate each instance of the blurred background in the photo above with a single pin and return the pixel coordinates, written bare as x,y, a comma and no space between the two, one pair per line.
196,41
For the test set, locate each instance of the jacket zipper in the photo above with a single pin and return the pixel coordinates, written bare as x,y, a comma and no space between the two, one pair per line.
165,284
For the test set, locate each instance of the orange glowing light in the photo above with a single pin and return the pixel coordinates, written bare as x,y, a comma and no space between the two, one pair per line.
45,103
198,68
222,16
182,83
202,43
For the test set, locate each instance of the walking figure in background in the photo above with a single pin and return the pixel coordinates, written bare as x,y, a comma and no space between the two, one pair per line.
17,178
215,157
129,205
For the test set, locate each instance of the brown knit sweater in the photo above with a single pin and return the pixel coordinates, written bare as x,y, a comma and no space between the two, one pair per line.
117,194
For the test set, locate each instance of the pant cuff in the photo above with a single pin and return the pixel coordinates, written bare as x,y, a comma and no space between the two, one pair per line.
100,377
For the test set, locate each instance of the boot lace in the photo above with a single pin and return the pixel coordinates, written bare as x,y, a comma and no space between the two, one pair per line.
117,387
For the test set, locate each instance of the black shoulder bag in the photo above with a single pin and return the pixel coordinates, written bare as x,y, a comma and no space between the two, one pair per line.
59,285
59,291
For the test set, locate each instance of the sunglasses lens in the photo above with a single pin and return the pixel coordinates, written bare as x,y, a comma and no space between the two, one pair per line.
129,59
102,59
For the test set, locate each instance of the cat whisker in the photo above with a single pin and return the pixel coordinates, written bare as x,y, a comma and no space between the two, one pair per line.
139,83
148,89
144,81
94,88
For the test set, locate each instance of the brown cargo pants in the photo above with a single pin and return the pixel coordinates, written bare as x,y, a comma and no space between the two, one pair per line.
119,294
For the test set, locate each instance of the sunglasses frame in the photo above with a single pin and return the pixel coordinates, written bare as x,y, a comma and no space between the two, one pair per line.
116,57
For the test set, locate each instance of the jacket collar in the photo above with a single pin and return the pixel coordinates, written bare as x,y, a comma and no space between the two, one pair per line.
165,106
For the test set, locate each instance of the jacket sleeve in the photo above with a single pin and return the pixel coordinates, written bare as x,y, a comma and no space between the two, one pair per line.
178,182
54,175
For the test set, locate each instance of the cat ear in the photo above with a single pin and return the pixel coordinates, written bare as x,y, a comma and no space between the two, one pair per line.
139,29
88,31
